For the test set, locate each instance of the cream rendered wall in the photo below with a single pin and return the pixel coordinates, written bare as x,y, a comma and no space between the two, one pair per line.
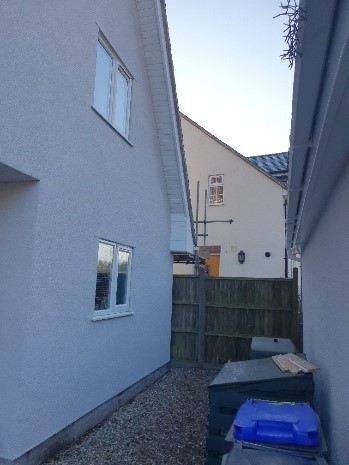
56,363
251,199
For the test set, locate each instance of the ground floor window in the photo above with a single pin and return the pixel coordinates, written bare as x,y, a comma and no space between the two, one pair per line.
112,297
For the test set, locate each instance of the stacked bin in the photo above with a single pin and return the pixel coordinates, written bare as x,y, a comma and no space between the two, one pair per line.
291,428
264,347
319,450
245,456
276,434
239,381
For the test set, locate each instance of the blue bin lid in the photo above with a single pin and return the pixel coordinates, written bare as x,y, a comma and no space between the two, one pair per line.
277,422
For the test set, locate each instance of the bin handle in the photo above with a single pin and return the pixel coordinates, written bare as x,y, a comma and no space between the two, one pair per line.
267,429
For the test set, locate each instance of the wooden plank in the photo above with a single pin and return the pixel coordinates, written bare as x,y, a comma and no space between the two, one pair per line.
279,363
302,364
184,347
295,307
285,365
201,318
293,363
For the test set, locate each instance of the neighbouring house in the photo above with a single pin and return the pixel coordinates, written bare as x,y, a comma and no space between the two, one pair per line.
237,190
275,164
317,217
93,203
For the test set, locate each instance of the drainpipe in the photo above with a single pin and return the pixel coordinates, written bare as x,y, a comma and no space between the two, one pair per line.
286,255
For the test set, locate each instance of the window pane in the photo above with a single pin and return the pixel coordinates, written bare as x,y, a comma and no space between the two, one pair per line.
104,267
103,79
121,101
212,195
216,195
123,270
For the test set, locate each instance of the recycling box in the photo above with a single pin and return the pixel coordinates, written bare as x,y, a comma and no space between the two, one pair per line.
245,456
277,422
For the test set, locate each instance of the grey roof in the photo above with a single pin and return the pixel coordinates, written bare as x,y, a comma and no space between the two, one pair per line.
271,163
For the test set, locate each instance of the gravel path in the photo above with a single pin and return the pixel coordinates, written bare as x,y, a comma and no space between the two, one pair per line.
164,425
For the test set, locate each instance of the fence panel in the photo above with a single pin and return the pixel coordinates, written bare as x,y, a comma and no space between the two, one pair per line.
235,310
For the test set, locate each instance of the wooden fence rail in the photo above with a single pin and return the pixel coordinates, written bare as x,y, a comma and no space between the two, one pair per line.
214,319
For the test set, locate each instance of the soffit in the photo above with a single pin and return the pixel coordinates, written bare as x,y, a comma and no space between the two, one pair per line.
159,64
319,138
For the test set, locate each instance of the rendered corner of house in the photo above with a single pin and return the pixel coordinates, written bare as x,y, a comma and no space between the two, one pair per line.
317,219
93,201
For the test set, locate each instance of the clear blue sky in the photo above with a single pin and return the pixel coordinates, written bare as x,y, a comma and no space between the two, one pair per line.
229,76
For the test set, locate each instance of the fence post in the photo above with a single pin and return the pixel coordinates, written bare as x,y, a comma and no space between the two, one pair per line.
295,309
201,322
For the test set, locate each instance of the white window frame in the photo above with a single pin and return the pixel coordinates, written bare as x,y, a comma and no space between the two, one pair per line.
215,184
115,310
117,65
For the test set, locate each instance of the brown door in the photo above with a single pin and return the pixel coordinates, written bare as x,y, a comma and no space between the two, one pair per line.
212,263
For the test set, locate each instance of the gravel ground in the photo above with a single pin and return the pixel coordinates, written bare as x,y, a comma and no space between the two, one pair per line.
164,425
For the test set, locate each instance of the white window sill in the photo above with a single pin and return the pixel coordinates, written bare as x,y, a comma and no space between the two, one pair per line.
113,127
215,204
108,316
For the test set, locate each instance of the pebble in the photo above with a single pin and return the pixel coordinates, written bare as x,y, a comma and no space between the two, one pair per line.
164,425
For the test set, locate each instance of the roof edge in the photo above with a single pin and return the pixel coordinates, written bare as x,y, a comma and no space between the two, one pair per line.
177,112
231,149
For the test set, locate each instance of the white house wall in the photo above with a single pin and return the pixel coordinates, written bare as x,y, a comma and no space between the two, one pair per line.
325,271
251,199
58,363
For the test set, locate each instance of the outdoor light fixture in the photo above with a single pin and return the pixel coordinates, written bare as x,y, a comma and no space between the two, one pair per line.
267,254
241,257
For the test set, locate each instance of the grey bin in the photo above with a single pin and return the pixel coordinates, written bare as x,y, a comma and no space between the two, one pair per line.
242,456
264,347
299,450
239,381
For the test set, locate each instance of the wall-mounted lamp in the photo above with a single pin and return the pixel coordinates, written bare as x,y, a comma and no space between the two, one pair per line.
241,257
267,254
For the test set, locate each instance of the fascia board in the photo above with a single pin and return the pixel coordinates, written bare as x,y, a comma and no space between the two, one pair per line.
152,17
331,139
309,77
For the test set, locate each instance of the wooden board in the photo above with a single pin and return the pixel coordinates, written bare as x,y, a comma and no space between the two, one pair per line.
285,365
293,364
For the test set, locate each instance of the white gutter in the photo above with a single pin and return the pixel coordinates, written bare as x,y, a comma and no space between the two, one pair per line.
307,99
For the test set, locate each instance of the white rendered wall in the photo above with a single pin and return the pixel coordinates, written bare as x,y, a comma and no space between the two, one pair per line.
58,364
251,199
325,271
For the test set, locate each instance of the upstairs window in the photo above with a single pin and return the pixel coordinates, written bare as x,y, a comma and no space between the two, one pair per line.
112,88
113,280
215,189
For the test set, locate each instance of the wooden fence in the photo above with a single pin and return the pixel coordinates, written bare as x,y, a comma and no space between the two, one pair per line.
214,319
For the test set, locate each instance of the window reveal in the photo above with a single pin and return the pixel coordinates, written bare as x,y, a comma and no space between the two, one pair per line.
215,185
113,279
112,93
